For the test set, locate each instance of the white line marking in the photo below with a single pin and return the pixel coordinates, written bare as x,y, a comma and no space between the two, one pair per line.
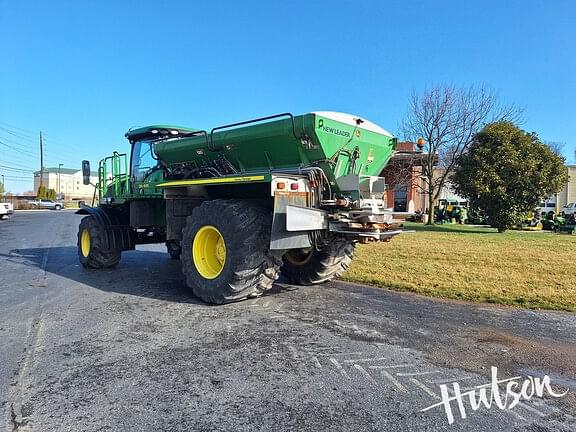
316,362
293,352
515,414
364,360
449,380
541,403
391,366
416,373
365,373
341,354
529,408
424,387
339,367
393,381
316,349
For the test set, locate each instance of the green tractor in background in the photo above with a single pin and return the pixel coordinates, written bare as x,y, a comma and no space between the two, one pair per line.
243,202
450,211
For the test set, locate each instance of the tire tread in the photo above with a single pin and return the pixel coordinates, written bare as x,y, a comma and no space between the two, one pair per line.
257,269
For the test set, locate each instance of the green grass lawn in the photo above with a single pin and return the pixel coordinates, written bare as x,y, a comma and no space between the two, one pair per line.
528,269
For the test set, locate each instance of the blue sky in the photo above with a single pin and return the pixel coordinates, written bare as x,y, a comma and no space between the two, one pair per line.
85,72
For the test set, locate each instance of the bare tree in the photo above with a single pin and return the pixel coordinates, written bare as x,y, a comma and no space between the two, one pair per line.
400,170
556,146
447,118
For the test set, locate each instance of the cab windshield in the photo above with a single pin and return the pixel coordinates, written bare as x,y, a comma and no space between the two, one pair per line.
143,160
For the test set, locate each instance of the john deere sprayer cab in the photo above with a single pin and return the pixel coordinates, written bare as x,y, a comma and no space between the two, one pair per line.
243,202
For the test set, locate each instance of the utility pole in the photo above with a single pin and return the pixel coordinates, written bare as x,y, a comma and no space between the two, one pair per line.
41,161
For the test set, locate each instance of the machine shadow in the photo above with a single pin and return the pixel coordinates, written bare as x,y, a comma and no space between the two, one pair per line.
140,273
455,229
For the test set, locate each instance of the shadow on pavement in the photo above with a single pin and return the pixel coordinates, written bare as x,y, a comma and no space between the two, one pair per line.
456,229
140,273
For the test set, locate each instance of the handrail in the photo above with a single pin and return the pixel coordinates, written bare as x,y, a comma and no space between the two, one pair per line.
211,143
118,175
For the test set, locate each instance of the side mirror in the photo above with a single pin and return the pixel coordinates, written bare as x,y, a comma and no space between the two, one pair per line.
86,172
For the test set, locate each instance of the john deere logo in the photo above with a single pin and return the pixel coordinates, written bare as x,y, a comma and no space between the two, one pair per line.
332,130
357,133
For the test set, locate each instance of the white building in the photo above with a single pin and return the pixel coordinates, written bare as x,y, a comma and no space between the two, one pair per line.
68,183
568,193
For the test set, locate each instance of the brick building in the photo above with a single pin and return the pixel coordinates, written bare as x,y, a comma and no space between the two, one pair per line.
405,187
406,191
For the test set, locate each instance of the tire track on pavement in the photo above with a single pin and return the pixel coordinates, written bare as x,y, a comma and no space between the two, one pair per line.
20,409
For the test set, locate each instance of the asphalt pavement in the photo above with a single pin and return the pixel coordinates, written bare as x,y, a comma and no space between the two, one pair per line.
131,349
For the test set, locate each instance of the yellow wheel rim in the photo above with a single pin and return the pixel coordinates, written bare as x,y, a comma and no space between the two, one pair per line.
209,252
298,257
85,243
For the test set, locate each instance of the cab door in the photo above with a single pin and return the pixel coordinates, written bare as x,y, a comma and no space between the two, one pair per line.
145,170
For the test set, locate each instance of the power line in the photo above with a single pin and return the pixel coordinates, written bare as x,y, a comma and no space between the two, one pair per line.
31,137
14,142
19,135
24,142
24,158
17,128
7,168
14,164
60,144
31,143
27,153
10,177
20,180
17,149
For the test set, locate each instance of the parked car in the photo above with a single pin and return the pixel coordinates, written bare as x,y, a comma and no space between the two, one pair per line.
545,207
569,209
6,209
46,204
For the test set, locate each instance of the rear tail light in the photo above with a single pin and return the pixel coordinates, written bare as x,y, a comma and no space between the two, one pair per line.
294,186
280,185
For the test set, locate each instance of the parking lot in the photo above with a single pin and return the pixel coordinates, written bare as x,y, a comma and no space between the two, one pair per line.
132,349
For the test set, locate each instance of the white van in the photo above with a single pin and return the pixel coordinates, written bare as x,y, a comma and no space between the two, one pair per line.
6,209
569,208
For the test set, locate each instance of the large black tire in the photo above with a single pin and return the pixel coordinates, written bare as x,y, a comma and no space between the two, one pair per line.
174,249
315,266
248,268
92,253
